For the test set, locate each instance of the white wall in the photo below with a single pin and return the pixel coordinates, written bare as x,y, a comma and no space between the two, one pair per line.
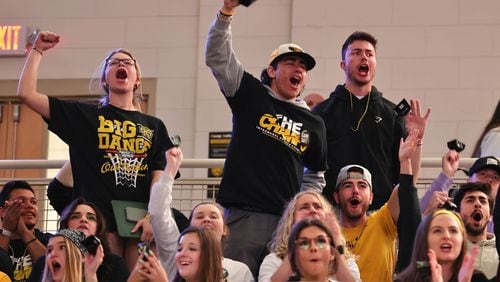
446,53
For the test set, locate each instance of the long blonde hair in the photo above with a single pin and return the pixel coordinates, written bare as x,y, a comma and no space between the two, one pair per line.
279,243
73,270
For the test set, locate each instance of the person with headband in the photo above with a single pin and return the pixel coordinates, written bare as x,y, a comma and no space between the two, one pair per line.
86,217
278,146
116,151
439,252
68,259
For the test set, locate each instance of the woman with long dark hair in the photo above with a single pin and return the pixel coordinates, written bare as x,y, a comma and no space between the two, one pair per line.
207,215
86,217
199,256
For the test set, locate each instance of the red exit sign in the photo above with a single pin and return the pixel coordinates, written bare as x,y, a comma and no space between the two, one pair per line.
12,40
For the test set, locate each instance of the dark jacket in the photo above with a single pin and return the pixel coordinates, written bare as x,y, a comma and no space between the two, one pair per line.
374,145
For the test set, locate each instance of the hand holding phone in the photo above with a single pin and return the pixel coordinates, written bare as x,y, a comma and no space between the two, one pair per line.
246,3
91,243
403,108
144,248
176,140
456,145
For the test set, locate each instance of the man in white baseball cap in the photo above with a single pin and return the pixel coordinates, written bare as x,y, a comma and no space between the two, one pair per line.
278,147
372,237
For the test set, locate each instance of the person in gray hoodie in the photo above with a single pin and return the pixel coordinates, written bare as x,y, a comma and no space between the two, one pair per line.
475,206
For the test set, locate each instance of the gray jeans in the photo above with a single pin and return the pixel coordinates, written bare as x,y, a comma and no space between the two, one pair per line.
249,234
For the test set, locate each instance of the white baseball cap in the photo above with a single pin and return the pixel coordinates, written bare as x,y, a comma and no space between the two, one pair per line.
292,49
353,172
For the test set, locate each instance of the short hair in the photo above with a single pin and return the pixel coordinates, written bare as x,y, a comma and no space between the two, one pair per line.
265,78
472,187
11,186
355,36
210,266
294,235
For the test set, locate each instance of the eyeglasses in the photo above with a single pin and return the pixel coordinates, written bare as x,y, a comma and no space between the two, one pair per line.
114,62
485,175
305,243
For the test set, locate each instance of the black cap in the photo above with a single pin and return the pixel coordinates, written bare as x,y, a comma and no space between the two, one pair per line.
485,162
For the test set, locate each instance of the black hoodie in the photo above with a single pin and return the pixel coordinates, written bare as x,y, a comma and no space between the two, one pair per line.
374,145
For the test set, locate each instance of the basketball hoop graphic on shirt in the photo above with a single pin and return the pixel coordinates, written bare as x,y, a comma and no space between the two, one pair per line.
126,168
126,145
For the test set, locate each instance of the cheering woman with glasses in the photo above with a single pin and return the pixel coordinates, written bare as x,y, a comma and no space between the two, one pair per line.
116,151
313,256
277,265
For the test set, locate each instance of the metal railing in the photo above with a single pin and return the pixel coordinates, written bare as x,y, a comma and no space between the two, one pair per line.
186,193
46,164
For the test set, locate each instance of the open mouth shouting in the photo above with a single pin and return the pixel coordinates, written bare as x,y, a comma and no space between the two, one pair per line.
295,81
354,202
477,216
56,266
121,73
446,247
56,269
363,69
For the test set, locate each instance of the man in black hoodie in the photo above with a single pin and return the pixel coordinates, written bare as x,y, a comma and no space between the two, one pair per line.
362,126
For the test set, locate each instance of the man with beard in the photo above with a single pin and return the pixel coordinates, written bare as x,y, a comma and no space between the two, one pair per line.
361,125
18,235
484,170
475,206
372,238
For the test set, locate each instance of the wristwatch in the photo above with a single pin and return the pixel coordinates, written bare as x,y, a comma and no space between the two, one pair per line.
341,249
5,233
